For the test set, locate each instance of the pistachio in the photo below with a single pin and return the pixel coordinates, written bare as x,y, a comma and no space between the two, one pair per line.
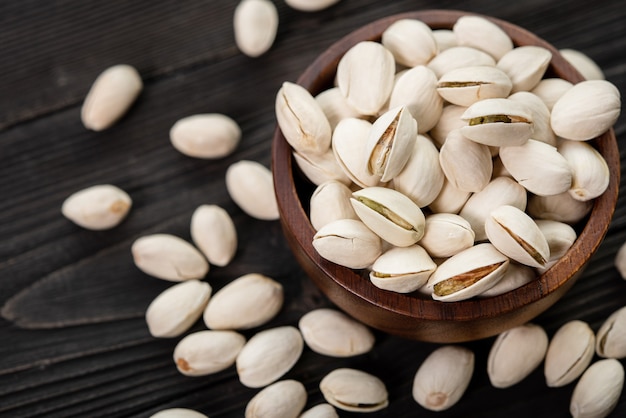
569,353
178,413
365,76
443,377
446,234
323,410
620,261
347,242
268,355
251,187
402,269
467,85
586,111
468,273
310,5
333,333
516,235
560,237
321,168
390,142
525,66
177,308
597,392
551,89
285,399
335,106
354,390
450,199
449,121
498,122
560,207
515,354
168,257
540,115
538,166
348,143
411,42
500,191
516,275
110,97
210,135
478,32
583,64
611,337
445,39
390,214
302,120
255,23
213,231
206,352
467,164
248,301
98,207
590,172
459,57
329,202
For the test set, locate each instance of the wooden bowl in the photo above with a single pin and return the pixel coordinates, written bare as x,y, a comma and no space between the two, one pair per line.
412,315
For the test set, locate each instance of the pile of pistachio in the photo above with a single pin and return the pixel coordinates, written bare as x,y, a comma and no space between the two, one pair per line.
445,162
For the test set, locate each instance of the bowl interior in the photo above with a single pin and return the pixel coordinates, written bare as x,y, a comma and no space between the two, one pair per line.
293,192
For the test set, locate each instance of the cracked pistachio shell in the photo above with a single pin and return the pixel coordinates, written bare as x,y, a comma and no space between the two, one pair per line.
515,354
348,242
549,90
213,231
349,142
285,399
449,121
168,257
480,33
559,207
330,202
177,308
302,120
390,142
422,178
560,237
310,5
583,64
446,234
333,333
500,191
268,355
450,199
569,353
620,261
110,97
98,207
597,392
538,166
390,214
365,76
445,39
354,390
178,413
323,410
206,352
443,377
498,122
611,337
590,172
251,187
467,164
540,114
459,57
210,135
402,269
321,168
255,23
411,42
248,301
335,106
416,89
516,235
465,86
516,275
525,66
468,273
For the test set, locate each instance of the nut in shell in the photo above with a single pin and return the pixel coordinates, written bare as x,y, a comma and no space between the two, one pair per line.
611,337
285,399
402,269
525,66
213,231
498,122
321,168
208,136
516,275
466,164
465,86
206,352
349,147
97,207
330,202
178,413
255,23
480,33
620,261
597,392
459,57
559,207
410,41
590,172
583,64
322,410
251,187
569,353
354,390
446,234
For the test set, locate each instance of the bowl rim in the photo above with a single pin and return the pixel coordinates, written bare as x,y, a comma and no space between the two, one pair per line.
412,305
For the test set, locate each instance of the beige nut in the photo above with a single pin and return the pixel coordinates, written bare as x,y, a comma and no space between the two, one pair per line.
213,231
255,23
498,122
611,337
208,136
178,413
330,202
411,42
323,410
402,269
459,57
286,399
597,392
590,171
525,66
588,68
549,90
98,207
569,353
354,390
251,187
465,86
206,352
348,242
480,33
446,234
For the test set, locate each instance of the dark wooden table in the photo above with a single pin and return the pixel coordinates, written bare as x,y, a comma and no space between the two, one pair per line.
73,341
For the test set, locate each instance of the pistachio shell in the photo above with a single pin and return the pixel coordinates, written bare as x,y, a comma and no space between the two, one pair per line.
210,135
247,302
445,39
321,168
467,85
323,410
480,33
329,202
268,355
402,269
390,214
354,390
611,337
349,147
178,413
583,64
310,5
347,242
467,164
549,90
597,392
411,42
569,353
516,275
333,333
515,354
443,377
559,207
450,199
335,106
525,66
449,121
590,172
459,57
98,207
416,88
498,122
285,399
206,352
365,76
620,261
251,187
559,235
213,231
540,114
446,234
255,23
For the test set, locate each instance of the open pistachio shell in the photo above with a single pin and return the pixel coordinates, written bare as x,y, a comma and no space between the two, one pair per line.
402,269
560,237
569,353
498,122
467,85
611,337
354,390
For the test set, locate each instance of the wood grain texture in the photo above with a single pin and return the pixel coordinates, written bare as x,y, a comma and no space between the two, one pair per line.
73,339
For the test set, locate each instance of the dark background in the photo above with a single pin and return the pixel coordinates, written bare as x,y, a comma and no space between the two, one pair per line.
73,341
